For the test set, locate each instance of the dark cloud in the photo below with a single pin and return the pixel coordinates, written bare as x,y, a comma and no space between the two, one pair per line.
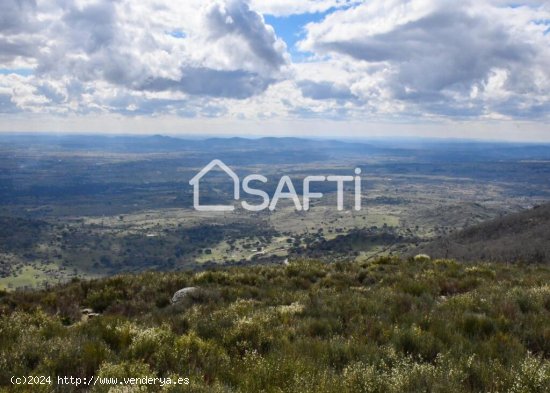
325,90
13,47
18,23
93,27
236,84
517,108
208,82
17,16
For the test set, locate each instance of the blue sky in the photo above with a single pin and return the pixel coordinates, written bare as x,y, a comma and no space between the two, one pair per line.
278,67
17,71
291,29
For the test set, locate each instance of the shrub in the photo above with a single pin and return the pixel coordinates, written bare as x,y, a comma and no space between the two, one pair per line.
533,376
417,343
478,325
431,326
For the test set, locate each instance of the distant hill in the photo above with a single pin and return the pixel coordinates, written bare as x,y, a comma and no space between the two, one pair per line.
451,216
425,151
518,237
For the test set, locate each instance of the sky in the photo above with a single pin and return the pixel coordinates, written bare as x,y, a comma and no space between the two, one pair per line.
430,68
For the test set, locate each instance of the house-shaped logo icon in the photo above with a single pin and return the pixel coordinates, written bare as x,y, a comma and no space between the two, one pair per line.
196,180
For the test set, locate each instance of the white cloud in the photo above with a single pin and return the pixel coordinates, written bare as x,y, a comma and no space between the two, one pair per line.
292,7
431,54
217,48
376,60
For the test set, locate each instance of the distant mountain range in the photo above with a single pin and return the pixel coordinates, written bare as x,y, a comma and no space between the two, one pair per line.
426,150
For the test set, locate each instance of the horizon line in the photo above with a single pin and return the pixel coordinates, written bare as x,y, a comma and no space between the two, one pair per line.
208,135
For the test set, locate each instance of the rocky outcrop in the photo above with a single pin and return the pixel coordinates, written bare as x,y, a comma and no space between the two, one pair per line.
185,293
88,313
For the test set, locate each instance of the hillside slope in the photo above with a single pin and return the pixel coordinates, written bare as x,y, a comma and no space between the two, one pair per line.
518,237
384,326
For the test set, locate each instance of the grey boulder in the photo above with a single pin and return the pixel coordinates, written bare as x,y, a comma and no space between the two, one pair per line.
189,292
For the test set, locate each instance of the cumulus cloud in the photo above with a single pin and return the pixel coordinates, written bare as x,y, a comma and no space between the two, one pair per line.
466,60
363,59
221,49
237,20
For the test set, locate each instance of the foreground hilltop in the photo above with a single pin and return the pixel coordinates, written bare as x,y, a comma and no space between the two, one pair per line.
518,237
389,325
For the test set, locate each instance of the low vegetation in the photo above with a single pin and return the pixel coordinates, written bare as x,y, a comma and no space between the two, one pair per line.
519,237
387,325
